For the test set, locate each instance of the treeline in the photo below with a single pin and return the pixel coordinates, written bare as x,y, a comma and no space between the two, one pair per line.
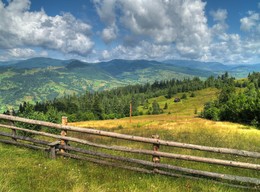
235,105
115,103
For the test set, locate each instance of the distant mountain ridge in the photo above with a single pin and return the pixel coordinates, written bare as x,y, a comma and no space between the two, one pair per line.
39,79
238,70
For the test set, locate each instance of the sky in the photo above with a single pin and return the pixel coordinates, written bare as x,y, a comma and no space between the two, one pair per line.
226,31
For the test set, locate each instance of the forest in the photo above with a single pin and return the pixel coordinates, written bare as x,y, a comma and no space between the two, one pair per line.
237,105
239,101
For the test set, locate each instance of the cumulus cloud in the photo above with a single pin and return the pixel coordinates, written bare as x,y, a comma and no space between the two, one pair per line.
251,23
219,15
163,22
231,47
109,34
219,28
166,29
106,12
19,27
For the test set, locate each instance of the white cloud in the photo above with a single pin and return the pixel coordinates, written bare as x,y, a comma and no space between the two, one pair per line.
106,10
232,48
219,15
21,53
190,42
109,34
19,27
165,29
252,22
163,22
219,29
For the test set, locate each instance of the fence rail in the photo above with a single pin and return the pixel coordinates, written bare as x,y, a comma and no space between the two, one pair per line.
60,147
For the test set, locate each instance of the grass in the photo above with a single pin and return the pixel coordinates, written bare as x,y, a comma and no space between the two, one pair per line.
27,170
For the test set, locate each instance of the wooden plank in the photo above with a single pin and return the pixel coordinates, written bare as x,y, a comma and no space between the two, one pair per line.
24,138
146,152
23,144
135,138
234,178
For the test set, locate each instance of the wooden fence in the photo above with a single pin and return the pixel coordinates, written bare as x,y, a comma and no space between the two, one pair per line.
58,145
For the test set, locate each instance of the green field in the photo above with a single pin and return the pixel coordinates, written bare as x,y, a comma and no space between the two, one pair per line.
28,170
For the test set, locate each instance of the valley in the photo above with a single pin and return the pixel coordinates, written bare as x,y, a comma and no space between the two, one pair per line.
42,79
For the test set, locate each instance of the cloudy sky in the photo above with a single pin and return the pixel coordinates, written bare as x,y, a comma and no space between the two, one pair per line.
226,31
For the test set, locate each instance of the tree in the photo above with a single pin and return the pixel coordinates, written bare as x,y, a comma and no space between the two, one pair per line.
169,93
97,108
156,108
30,113
165,106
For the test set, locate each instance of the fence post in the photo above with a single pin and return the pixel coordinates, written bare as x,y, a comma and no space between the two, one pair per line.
53,146
156,159
63,133
12,124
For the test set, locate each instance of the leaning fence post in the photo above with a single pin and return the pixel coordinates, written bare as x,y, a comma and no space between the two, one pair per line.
12,124
63,133
156,146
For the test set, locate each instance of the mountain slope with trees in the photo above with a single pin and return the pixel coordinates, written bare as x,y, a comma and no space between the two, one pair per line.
234,105
42,79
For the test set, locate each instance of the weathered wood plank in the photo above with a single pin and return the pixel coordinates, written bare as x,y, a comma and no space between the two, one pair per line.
23,144
135,138
234,178
25,138
146,152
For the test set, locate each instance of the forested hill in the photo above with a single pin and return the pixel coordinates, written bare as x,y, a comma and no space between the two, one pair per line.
42,79
115,103
234,105
238,101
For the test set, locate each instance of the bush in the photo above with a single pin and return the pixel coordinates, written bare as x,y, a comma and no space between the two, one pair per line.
211,112
192,94
184,96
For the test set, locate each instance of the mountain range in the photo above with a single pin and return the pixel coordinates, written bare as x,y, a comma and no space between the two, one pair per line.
39,79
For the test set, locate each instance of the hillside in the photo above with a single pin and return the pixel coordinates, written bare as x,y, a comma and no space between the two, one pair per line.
41,79
30,170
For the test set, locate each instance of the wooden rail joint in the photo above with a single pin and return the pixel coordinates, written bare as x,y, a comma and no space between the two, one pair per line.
63,133
156,146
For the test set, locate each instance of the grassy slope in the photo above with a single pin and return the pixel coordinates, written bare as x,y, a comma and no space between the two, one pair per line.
27,170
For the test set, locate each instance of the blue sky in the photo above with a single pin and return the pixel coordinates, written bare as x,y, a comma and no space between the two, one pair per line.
226,31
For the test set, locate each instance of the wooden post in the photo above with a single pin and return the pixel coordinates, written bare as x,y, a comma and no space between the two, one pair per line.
130,112
53,146
64,121
12,124
156,159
